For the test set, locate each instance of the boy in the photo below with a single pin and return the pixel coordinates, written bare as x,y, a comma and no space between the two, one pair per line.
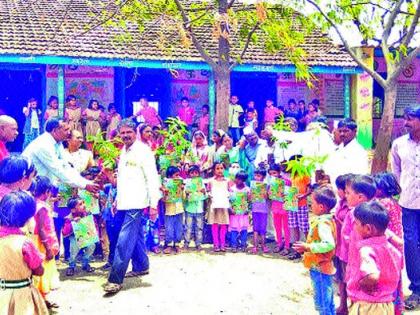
319,249
359,189
340,213
78,211
298,218
373,277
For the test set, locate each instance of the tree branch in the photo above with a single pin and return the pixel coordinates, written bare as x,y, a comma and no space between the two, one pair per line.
376,5
102,22
405,62
413,26
356,58
190,22
391,20
247,42
194,39
230,4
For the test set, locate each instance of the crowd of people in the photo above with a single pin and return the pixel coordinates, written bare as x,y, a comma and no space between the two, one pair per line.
347,226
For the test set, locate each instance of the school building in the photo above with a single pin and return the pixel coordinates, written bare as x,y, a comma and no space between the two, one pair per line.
53,48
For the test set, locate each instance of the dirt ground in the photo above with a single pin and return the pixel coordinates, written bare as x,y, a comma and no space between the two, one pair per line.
195,283
202,283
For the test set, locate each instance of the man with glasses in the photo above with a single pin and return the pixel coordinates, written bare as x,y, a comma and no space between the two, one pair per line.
47,154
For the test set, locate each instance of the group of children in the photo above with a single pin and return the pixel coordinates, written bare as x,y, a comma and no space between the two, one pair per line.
359,240
229,206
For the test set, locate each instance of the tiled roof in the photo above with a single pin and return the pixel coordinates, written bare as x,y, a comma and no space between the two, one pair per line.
67,28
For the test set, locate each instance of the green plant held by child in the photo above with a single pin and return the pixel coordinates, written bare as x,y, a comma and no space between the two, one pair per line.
107,150
305,166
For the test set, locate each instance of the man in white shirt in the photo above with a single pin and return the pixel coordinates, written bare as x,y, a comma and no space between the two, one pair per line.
350,157
405,153
46,152
138,191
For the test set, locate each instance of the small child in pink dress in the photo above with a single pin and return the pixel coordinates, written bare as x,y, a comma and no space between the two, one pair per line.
280,215
240,196
387,188
375,272
204,120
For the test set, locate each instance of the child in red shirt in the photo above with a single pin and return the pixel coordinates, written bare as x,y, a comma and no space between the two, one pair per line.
375,271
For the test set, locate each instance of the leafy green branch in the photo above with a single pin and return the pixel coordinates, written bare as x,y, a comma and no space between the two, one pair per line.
106,149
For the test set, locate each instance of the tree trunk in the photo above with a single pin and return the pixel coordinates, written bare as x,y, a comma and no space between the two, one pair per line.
383,140
222,99
222,73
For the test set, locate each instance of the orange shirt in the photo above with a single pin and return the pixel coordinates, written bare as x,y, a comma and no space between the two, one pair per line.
302,183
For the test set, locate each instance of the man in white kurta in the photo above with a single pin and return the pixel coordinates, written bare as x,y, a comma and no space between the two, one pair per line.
350,157
138,192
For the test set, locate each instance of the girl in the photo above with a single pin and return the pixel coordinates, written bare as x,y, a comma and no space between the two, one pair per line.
52,108
232,156
217,148
16,173
112,119
78,211
203,120
202,152
174,210
73,113
194,207
19,258
218,188
238,219
387,188
93,116
259,210
311,114
280,215
32,122
45,238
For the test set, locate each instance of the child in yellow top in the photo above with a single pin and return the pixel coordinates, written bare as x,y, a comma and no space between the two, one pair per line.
319,249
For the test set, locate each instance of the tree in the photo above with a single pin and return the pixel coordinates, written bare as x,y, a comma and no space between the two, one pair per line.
391,25
234,28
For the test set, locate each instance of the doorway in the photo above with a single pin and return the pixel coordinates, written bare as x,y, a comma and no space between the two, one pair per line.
255,86
17,86
154,84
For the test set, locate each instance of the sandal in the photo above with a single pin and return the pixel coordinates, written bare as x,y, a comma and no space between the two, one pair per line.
285,252
167,250
265,250
70,272
254,250
412,302
294,256
216,249
88,268
156,250
135,274
51,305
278,248
112,288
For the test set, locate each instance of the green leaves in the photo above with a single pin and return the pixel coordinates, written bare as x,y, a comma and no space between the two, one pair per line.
106,149
175,139
305,166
